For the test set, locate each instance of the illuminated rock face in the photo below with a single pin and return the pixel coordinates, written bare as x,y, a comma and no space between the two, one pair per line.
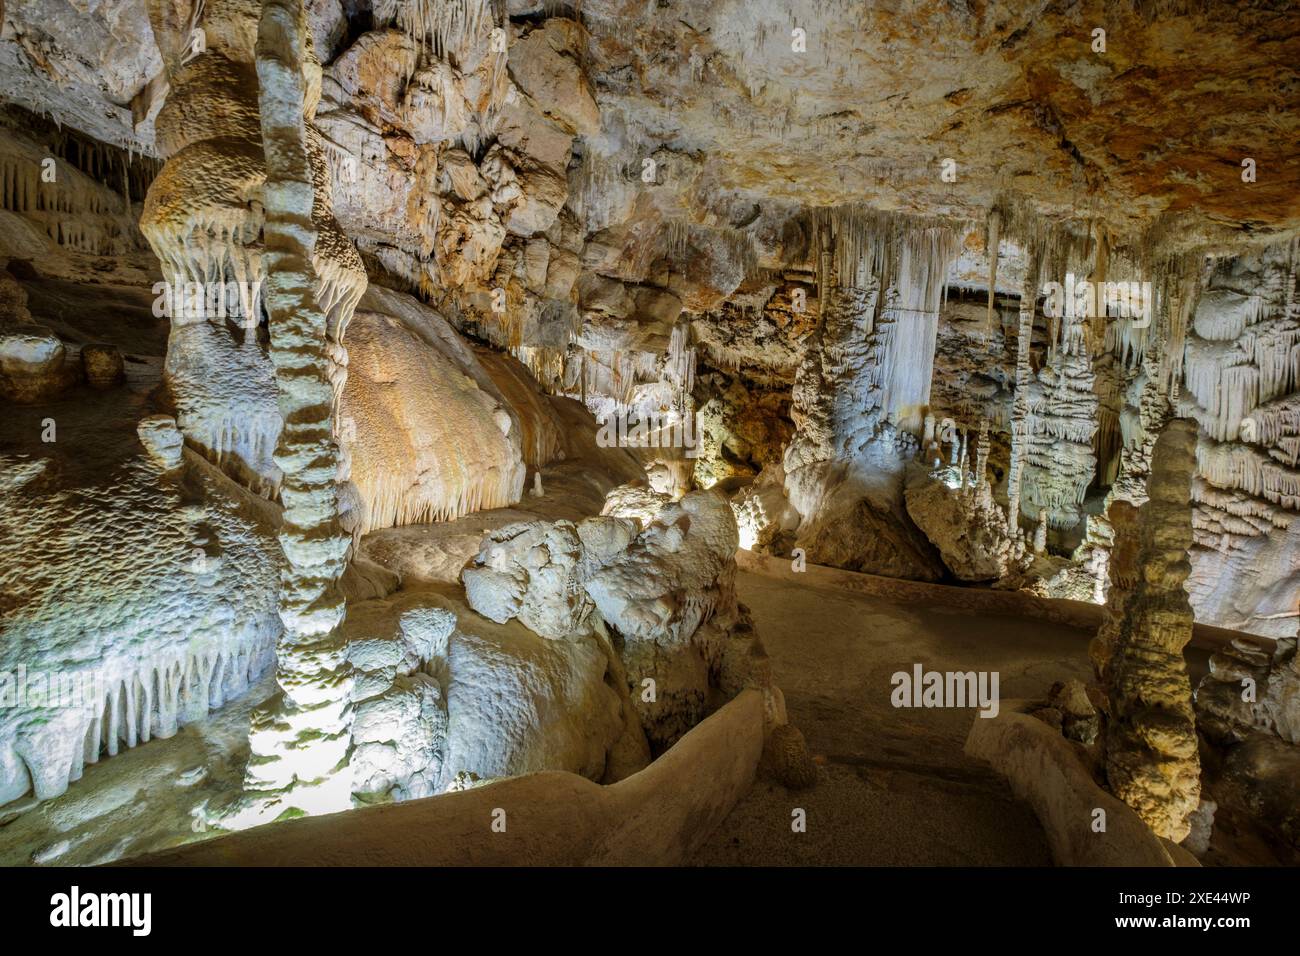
966,524
146,593
428,435
445,700
531,572
204,217
864,379
1242,384
667,589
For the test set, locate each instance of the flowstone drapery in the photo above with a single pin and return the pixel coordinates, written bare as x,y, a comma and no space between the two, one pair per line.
1243,377
863,383
204,217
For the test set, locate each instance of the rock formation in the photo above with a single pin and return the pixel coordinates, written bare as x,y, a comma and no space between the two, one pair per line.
857,391
1241,381
464,364
965,523
301,741
1151,749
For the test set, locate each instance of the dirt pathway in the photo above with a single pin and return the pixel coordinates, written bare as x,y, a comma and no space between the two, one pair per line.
893,784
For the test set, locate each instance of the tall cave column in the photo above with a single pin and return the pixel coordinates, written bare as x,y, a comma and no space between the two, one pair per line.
1020,404
1140,432
861,393
1059,460
1152,761
834,407
831,392
303,737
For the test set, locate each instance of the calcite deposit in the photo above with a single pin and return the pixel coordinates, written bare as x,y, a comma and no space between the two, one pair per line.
1151,746
452,391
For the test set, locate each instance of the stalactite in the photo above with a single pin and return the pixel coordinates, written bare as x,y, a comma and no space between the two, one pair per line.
78,208
680,363
679,237
448,26
104,711
203,218
994,233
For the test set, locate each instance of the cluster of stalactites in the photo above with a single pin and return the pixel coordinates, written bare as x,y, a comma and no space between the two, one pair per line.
1140,298
462,35
907,260
866,243
679,367
679,237
546,364
447,26
76,210
1242,372
212,263
125,708
462,488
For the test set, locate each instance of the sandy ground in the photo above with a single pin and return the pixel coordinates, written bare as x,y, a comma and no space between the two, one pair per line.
893,784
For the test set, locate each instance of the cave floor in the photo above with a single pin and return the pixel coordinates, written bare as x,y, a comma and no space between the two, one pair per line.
893,786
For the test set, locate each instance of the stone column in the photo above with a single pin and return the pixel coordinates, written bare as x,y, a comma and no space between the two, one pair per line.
1020,404
300,740
1152,761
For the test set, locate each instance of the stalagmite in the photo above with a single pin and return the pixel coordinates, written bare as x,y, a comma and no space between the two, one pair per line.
1020,409
1040,532
1151,747
301,740
1059,428
962,520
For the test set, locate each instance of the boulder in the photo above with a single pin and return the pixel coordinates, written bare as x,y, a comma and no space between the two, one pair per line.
162,439
103,365
518,705
32,364
966,526
530,571
399,737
